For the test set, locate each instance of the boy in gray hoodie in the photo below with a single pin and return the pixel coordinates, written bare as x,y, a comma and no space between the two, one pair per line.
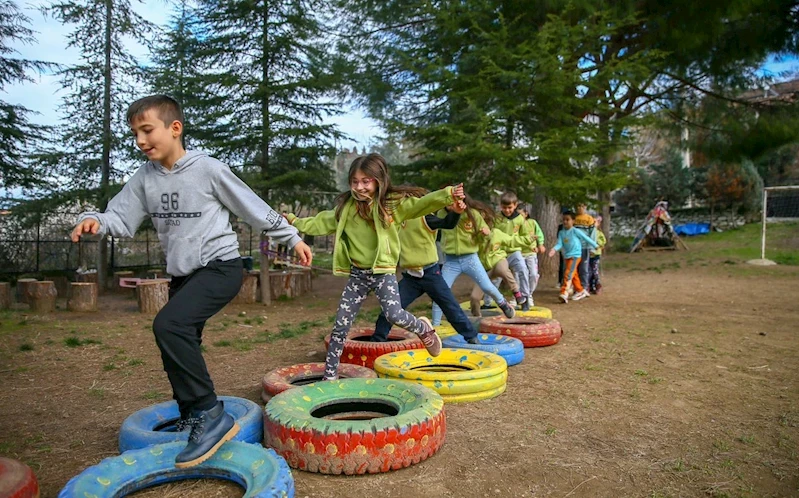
189,197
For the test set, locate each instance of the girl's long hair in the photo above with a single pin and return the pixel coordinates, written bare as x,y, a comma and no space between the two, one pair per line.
386,195
485,211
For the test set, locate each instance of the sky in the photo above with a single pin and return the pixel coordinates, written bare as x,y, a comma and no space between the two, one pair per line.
43,97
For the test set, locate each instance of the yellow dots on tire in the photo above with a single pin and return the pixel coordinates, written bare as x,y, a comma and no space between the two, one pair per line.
309,448
306,398
104,481
425,439
331,449
389,448
410,443
361,449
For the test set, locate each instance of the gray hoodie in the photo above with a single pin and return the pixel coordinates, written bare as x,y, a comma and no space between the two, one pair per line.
190,208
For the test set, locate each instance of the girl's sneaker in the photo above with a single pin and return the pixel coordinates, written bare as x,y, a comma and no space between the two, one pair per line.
564,298
430,339
580,295
507,309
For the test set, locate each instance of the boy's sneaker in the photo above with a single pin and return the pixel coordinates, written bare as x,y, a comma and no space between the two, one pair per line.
580,295
430,339
564,298
507,309
212,428
525,305
473,340
530,301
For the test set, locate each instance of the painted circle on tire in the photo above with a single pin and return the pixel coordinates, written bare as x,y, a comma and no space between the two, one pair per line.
155,424
17,480
280,379
359,350
355,426
507,347
533,332
258,470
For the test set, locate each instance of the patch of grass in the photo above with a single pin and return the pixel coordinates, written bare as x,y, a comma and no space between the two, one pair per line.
593,368
97,392
247,321
134,362
223,344
550,431
284,298
26,346
109,367
153,395
242,313
721,445
641,373
74,342
678,465
655,380
747,439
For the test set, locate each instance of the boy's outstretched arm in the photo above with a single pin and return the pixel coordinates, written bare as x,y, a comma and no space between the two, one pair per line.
125,212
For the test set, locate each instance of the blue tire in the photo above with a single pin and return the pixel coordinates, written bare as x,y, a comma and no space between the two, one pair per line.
156,424
258,470
507,347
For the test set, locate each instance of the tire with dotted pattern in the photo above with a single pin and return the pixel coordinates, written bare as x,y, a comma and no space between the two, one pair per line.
535,311
283,378
17,480
507,347
359,350
533,332
260,471
355,426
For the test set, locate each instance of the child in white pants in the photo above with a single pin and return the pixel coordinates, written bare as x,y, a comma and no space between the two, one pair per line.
530,253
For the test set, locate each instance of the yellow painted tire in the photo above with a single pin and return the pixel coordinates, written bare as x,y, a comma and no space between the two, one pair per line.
445,330
459,387
535,312
478,396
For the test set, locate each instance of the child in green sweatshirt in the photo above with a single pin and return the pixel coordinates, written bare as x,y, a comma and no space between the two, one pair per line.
366,222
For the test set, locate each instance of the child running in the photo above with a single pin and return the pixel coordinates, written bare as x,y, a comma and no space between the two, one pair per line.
570,239
366,222
594,285
461,246
530,252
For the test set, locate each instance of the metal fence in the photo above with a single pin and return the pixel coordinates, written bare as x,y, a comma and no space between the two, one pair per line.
46,247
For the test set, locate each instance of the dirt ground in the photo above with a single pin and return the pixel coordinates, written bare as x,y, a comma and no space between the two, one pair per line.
681,379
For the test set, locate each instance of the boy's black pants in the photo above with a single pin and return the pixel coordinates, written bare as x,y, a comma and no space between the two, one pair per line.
178,328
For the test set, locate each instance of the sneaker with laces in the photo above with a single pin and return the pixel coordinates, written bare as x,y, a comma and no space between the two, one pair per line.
184,424
526,305
580,295
507,309
212,429
530,301
564,298
430,339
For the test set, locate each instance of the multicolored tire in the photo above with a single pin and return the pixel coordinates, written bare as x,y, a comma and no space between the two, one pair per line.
507,347
355,426
280,379
454,374
535,311
533,332
17,480
258,470
156,424
359,350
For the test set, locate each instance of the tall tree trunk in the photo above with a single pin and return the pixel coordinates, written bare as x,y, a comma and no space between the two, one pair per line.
604,201
547,213
105,174
265,117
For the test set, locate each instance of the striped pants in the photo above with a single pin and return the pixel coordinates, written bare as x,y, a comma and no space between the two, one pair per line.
570,275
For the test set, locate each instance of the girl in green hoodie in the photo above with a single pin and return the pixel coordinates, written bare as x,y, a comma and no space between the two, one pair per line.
366,222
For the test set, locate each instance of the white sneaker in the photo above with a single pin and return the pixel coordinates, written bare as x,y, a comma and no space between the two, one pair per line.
580,295
564,298
530,301
571,291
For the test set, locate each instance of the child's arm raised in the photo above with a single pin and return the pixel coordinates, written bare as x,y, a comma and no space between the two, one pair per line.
558,245
414,207
125,212
588,240
323,223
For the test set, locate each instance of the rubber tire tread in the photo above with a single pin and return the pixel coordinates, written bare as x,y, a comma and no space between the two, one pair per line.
533,332
17,480
280,379
507,347
364,353
349,447
137,430
261,472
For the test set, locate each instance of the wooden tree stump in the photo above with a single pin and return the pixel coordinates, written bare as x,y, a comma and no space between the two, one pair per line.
5,295
291,284
41,296
152,295
22,289
121,274
155,273
248,293
82,296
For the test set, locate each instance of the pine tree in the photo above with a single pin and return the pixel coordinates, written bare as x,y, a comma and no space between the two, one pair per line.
17,133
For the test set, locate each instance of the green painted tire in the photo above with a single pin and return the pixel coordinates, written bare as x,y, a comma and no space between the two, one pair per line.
355,426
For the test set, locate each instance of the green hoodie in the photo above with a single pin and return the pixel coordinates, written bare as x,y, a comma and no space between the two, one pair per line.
385,254
462,239
496,249
533,229
512,226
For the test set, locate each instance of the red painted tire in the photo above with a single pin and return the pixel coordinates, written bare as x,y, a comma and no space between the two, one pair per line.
280,379
532,331
17,480
355,426
359,350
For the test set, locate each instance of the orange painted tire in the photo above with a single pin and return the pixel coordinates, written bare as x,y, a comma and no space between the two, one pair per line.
355,426
17,480
359,350
532,331
280,379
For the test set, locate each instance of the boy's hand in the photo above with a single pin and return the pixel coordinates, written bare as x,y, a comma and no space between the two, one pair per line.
303,253
551,253
89,225
458,207
457,192
486,231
